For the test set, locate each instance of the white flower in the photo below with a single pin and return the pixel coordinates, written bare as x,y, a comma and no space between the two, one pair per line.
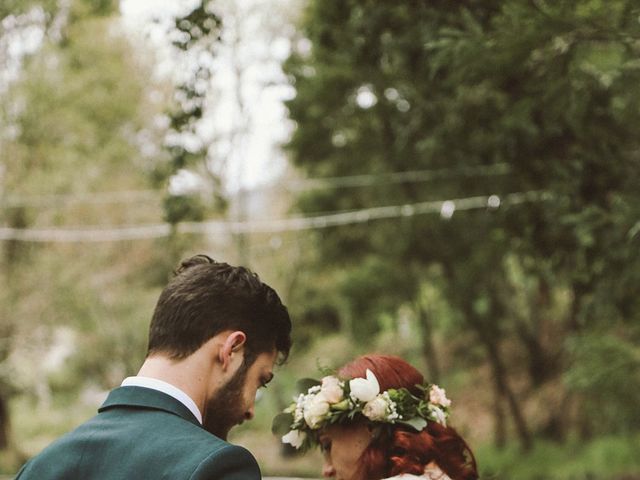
295,437
332,390
439,415
393,412
376,409
437,396
299,408
316,408
363,389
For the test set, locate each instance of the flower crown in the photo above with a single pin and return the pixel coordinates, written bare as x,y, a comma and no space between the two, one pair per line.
335,401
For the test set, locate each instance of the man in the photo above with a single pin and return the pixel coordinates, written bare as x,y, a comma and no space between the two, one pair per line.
215,336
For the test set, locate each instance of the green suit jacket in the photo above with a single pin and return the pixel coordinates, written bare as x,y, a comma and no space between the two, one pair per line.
140,433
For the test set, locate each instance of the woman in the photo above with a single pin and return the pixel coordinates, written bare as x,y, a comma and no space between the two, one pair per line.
377,419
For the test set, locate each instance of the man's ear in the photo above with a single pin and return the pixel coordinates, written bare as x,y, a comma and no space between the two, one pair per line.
232,345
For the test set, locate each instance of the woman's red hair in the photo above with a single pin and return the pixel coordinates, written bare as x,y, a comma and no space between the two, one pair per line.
399,449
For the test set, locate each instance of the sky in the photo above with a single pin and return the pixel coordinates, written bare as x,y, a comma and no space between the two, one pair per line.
263,31
16,42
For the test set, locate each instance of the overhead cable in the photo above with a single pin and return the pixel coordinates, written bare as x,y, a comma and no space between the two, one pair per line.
95,198
445,208
293,185
411,176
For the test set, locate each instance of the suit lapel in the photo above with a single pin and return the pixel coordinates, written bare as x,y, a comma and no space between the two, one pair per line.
146,398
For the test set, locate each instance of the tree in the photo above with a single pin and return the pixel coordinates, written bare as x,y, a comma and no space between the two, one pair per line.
70,128
529,103
229,72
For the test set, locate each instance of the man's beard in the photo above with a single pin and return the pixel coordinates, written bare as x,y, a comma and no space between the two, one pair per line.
227,408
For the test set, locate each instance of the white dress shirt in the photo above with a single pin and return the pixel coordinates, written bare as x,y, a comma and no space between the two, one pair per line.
164,387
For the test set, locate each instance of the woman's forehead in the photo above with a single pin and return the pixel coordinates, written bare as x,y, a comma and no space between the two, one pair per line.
343,429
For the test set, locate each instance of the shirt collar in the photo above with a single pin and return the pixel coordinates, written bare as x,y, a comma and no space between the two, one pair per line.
164,387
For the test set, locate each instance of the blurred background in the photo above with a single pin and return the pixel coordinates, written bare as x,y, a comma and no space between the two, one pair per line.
457,183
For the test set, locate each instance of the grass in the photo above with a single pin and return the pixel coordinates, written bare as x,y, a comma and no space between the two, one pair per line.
607,458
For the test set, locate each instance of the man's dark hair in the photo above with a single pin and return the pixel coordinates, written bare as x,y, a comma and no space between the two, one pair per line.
205,298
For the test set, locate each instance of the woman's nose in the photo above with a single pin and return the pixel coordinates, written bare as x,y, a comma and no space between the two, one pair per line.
328,470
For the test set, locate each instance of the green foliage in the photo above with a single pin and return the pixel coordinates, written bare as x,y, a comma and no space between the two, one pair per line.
304,384
606,372
375,278
196,34
70,128
281,423
183,208
75,98
200,24
87,8
552,91
19,7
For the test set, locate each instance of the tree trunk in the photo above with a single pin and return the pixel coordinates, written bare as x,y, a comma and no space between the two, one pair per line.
540,366
500,425
543,360
500,378
488,340
580,290
574,325
428,345
4,422
7,332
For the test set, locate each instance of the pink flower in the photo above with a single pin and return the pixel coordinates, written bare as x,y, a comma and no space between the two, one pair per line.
332,390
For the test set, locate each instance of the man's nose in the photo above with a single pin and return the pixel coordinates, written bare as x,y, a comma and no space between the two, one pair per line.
328,470
248,415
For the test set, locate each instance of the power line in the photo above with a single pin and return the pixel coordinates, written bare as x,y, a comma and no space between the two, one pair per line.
445,208
96,198
299,185
411,176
